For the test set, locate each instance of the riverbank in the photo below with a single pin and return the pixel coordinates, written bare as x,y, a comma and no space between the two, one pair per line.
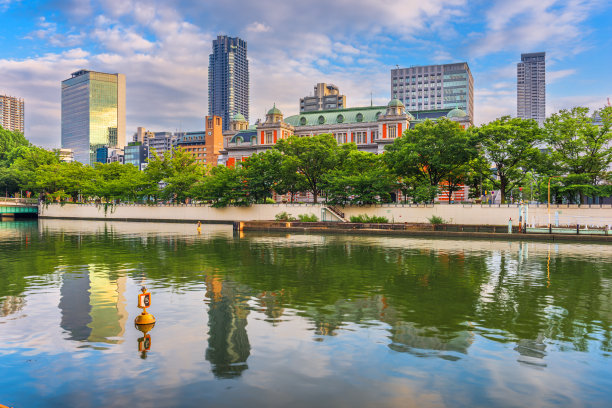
497,232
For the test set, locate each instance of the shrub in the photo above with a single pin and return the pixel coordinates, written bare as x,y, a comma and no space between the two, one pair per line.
436,220
283,216
269,201
308,218
364,218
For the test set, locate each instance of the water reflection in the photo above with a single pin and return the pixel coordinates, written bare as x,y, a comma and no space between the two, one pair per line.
374,306
93,306
228,341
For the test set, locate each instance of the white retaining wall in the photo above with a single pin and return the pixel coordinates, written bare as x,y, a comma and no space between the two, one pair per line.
456,214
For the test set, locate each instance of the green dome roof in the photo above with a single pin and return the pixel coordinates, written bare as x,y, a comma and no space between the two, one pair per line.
456,113
394,103
274,111
239,118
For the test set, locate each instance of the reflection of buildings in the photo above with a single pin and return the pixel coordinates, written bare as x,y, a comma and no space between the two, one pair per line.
93,306
228,342
11,304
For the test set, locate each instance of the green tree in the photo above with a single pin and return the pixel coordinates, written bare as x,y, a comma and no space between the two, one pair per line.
363,178
9,140
314,157
261,172
432,152
223,186
581,149
511,145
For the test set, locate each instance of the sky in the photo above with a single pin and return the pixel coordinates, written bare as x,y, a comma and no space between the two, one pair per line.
162,47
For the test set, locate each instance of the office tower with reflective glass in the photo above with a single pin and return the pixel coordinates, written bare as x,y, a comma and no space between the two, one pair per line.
228,79
531,87
429,87
93,113
11,113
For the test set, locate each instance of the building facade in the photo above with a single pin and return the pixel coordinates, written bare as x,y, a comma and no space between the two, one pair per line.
93,113
371,128
137,154
435,87
531,87
156,142
228,79
326,96
205,146
12,113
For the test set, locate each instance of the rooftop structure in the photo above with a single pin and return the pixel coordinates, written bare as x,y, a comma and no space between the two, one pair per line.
326,96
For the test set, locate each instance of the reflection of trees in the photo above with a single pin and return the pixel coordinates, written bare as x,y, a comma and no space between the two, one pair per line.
228,342
10,305
429,294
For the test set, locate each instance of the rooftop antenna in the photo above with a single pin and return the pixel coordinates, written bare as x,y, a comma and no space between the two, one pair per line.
371,99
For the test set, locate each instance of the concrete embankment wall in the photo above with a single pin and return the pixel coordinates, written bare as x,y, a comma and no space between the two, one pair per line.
455,214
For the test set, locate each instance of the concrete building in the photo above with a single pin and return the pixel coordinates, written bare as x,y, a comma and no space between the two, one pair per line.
66,155
326,96
435,87
12,113
93,113
156,142
370,127
205,146
137,154
228,79
531,87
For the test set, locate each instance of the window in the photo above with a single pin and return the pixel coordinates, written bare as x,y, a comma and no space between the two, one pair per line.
341,138
392,131
361,137
302,121
340,119
269,139
321,120
359,117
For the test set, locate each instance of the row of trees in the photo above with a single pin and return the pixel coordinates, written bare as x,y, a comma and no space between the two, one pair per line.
507,154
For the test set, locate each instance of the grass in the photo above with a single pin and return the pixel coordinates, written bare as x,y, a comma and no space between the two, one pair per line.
365,219
308,218
436,220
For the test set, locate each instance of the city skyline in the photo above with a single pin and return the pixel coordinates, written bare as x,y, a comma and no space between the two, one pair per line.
164,52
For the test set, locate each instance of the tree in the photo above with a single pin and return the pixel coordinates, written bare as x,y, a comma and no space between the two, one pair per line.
363,178
9,140
314,157
431,152
290,179
261,172
223,186
511,145
579,146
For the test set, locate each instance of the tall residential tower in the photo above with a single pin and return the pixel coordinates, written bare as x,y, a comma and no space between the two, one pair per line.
326,96
228,79
421,88
531,87
11,113
93,113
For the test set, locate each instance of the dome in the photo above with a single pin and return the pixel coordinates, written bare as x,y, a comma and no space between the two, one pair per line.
456,113
274,111
238,118
410,117
394,103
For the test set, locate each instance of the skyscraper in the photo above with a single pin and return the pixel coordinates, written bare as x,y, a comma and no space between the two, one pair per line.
531,87
430,87
93,113
228,79
11,113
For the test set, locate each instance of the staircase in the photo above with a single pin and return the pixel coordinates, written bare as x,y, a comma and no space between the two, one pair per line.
335,212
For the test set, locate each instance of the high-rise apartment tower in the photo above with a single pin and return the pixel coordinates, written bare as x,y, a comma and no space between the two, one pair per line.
93,113
429,87
531,87
11,113
228,79
326,96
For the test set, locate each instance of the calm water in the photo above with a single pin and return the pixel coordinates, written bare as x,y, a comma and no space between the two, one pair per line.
298,320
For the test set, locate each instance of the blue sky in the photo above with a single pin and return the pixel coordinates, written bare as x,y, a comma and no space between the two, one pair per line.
163,47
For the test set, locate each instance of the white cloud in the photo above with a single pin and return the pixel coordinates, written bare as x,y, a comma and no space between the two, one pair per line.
257,27
554,76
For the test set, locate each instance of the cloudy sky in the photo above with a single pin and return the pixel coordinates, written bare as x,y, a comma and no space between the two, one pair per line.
162,47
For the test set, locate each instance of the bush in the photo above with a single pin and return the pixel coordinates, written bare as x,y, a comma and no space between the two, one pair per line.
364,218
269,201
308,218
283,216
436,220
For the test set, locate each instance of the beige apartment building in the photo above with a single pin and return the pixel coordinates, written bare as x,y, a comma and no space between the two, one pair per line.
12,113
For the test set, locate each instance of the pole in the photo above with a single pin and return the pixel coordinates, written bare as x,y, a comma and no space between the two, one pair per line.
549,224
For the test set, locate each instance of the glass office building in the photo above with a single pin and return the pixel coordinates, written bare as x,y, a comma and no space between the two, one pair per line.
228,79
93,113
